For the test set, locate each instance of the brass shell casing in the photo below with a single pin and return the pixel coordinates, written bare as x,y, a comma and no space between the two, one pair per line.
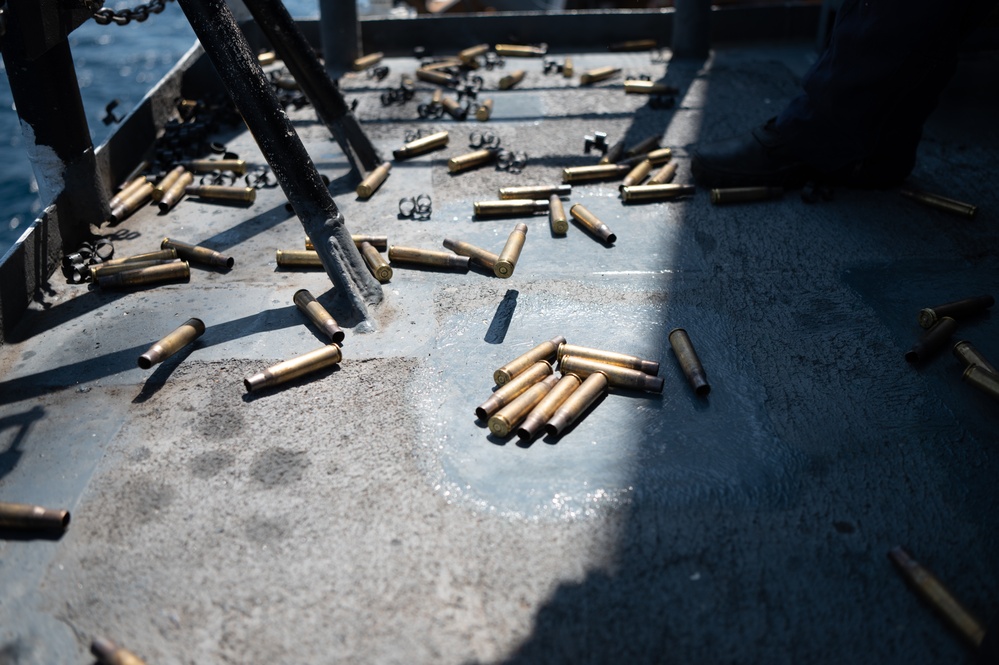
941,203
598,74
520,51
664,192
507,392
188,331
484,258
198,254
545,409
619,377
556,216
161,255
439,78
614,153
638,87
594,172
508,257
125,191
132,202
437,97
982,379
484,111
473,52
544,351
167,182
512,79
237,166
287,82
633,45
292,369
428,257
969,355
454,109
166,272
102,270
504,421
421,145
366,61
223,193
377,264
509,207
437,65
534,191
957,309
663,175
25,517
378,242
932,340
472,159
745,194
689,362
109,653
298,258
568,69
659,156
176,191
649,367
266,58
938,596
592,387
648,144
638,174
316,313
590,222
374,180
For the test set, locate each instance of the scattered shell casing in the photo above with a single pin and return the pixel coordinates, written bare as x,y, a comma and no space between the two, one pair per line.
619,377
287,82
428,257
316,313
545,409
957,309
659,156
568,69
292,369
648,144
509,207
166,182
638,87
127,189
223,193
198,254
484,111
598,74
932,340
512,79
633,45
614,153
472,52
102,270
166,272
421,145
430,76
161,255
298,258
472,159
534,191
132,202
556,216
482,257
504,421
366,61
649,367
266,58
377,264
454,109
188,331
663,175
445,63
520,51
982,379
590,222
689,362
437,97
941,202
969,355
936,594
374,180
594,172
176,191
592,387
378,242
638,174
745,194
547,350
507,392
109,653
507,261
664,192
25,517
237,166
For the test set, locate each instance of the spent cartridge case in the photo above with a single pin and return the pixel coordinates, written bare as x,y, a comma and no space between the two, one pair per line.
509,207
650,367
664,192
592,387
545,409
556,216
969,355
938,596
472,159
568,69
473,52
504,421
378,242
366,61
484,111
638,174
288,370
266,58
316,313
941,203
223,193
437,97
594,172
510,390
439,78
520,51
484,258
176,191
126,190
109,653
659,156
663,175
956,310
547,350
188,331
161,255
287,82
598,74
25,517
689,362
428,257
454,109
639,87
534,191
984,380
421,145
237,166
633,45
167,182
438,65
377,264
617,376
589,221
198,254
373,180
932,340
614,153
745,194
130,203
298,258
178,271
507,261
646,145
512,79
101,270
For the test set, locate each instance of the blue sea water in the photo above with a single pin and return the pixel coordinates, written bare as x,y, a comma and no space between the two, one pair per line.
112,62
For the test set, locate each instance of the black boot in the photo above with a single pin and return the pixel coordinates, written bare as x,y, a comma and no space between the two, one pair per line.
761,159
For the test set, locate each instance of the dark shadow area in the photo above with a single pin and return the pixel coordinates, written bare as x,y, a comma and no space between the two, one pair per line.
25,536
245,230
500,324
22,422
54,316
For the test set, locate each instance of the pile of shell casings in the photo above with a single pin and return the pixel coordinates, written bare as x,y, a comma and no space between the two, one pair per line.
171,263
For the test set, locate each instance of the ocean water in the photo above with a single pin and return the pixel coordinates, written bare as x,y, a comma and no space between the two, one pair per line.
112,62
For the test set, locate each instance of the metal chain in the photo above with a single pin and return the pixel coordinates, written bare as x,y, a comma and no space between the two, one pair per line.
105,15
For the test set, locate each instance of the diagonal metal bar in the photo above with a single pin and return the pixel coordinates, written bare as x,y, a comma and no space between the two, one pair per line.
281,146
292,47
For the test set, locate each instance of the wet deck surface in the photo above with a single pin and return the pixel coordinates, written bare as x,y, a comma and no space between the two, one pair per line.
363,515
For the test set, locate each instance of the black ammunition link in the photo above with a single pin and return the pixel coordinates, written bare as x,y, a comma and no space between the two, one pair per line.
105,15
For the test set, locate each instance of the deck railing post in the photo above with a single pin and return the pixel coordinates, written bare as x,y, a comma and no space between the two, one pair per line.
691,28
341,35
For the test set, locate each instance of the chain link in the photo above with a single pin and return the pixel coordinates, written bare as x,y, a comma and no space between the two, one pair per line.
105,15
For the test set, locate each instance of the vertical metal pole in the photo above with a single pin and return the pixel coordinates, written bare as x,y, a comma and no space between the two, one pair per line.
281,146
341,35
691,28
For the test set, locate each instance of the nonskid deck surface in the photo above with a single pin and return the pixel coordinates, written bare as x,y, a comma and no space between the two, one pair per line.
362,514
